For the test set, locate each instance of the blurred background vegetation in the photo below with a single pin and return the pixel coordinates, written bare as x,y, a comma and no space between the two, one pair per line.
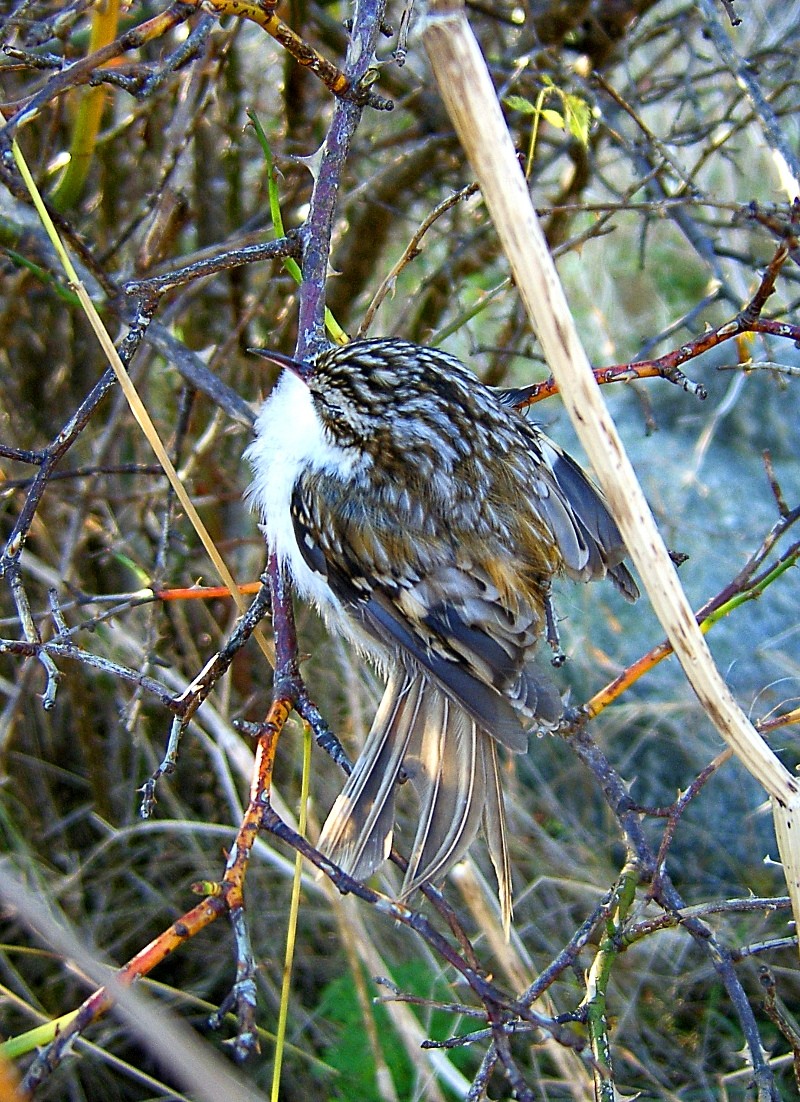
649,205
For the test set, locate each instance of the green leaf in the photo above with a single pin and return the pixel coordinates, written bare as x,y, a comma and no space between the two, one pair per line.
579,117
555,118
519,103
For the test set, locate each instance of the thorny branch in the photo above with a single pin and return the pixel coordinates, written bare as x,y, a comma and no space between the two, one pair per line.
86,70
748,320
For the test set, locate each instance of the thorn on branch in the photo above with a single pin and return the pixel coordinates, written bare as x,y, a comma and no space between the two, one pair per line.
253,730
243,996
148,801
53,677
401,49
678,378
362,95
33,640
62,631
32,59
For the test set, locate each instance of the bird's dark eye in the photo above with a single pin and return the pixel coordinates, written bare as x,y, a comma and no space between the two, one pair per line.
335,410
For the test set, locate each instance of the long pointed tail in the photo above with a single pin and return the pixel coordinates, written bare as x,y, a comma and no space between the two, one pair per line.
452,764
357,834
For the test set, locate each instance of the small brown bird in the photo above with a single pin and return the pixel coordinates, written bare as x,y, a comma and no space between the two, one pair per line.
425,518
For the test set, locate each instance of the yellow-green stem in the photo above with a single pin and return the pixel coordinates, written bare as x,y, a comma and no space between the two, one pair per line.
290,264
105,21
291,933
598,979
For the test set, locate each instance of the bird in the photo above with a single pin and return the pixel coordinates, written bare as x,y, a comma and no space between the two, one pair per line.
426,518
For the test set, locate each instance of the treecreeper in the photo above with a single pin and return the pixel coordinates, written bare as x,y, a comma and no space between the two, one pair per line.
426,519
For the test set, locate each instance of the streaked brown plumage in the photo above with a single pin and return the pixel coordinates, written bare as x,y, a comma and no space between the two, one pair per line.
426,518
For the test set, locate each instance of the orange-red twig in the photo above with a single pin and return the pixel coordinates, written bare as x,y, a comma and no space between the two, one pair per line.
667,366
628,677
203,592
144,962
260,788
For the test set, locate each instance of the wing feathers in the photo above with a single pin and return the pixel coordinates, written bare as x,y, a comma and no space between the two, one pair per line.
591,518
483,701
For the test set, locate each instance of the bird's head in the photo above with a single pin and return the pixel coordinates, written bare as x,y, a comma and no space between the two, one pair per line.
390,395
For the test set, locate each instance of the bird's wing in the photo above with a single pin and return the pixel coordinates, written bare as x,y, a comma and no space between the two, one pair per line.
598,528
572,507
424,600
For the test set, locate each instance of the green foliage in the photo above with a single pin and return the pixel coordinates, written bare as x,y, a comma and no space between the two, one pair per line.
351,1050
574,117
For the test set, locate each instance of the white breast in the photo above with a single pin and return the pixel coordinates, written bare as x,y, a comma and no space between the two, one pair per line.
289,440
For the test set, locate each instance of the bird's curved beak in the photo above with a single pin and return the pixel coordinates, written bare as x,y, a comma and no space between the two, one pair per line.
301,369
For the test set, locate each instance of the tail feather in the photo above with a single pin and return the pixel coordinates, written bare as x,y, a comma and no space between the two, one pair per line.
494,827
452,763
446,769
357,834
